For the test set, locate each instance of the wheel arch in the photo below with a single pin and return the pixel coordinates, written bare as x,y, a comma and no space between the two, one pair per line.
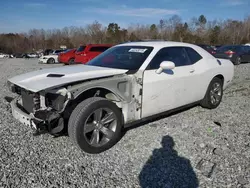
50,59
220,76
93,92
99,92
71,58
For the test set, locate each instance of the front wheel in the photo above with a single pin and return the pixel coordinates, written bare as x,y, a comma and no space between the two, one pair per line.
51,61
214,94
95,125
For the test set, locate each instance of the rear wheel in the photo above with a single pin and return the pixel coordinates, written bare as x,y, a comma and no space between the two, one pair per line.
237,61
214,94
51,61
71,61
95,125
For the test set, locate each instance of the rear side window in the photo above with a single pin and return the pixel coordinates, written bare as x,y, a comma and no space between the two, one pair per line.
193,55
81,48
247,49
224,48
98,49
58,51
227,48
239,48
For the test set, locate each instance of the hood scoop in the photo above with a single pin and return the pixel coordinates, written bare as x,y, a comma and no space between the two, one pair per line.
55,75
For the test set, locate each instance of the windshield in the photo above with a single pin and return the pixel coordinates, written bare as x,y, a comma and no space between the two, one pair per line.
58,51
81,48
67,50
122,57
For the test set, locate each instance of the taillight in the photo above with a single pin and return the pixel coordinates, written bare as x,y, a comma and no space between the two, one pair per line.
213,52
229,52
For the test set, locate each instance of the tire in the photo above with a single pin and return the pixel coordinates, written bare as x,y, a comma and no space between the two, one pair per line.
51,61
79,119
71,61
211,99
237,60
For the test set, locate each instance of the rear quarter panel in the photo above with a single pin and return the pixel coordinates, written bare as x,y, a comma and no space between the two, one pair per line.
217,67
209,68
227,70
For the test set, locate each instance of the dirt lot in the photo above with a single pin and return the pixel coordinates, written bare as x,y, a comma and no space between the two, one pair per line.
209,148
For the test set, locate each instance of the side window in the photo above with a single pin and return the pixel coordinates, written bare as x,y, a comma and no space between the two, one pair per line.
193,55
248,49
177,55
243,49
98,49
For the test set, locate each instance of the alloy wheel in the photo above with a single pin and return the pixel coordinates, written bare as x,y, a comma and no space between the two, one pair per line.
100,127
215,93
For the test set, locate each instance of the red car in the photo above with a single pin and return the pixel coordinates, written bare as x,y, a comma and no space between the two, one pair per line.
87,52
67,57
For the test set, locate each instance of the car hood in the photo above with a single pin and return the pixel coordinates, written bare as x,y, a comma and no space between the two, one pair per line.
54,77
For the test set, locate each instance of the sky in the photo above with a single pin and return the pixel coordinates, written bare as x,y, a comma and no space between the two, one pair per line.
22,15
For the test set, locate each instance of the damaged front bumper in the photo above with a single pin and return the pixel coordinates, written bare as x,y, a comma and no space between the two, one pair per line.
42,61
51,121
22,116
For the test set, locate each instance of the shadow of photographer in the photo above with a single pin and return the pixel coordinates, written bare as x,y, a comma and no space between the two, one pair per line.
165,169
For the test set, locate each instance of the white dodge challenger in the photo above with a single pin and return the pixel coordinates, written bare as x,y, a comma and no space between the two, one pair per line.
128,83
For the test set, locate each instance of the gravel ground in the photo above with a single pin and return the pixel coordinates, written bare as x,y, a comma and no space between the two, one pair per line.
197,147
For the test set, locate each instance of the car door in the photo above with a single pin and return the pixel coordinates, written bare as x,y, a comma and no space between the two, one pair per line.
171,88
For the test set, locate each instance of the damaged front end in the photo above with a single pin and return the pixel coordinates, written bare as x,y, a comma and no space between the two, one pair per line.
42,111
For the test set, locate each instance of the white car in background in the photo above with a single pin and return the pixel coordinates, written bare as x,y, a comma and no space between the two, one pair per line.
32,55
4,55
51,58
127,83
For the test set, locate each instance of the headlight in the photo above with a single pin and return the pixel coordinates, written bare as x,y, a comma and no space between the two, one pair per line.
55,101
45,58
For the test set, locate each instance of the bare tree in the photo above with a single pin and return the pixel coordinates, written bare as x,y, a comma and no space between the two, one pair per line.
197,30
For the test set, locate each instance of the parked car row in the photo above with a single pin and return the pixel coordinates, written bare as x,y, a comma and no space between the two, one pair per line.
82,55
27,55
74,56
236,53
2,55
51,56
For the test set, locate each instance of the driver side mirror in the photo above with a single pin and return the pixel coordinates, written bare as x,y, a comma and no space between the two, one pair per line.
165,65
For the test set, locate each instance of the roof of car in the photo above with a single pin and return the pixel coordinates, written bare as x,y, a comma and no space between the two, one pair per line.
96,44
161,44
156,43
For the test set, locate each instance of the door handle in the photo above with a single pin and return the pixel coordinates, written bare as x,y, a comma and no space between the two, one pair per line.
191,71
